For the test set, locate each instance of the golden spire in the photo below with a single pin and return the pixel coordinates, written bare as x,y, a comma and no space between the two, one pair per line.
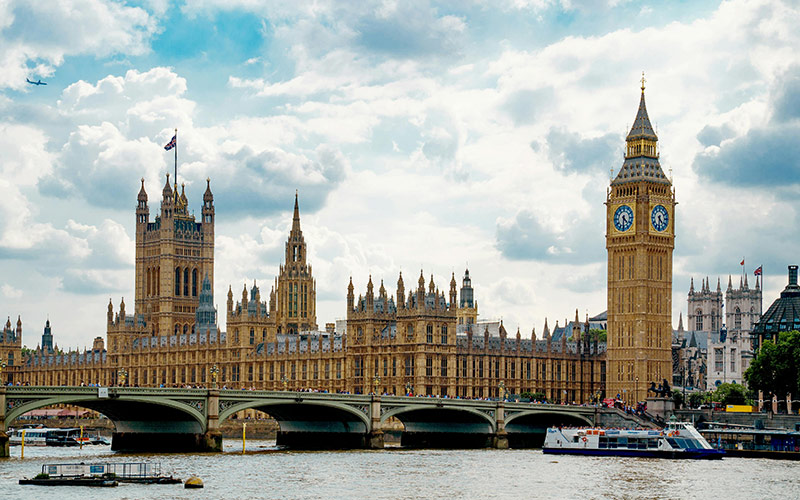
643,82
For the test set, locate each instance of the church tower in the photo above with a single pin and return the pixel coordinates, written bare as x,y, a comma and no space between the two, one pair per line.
295,310
640,237
174,253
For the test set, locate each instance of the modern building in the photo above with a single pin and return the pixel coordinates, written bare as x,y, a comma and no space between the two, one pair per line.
782,316
640,237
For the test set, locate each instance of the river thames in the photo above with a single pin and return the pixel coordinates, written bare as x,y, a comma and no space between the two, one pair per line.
394,473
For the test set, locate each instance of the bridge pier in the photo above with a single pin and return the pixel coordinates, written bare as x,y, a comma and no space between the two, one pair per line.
375,436
212,439
4,451
500,438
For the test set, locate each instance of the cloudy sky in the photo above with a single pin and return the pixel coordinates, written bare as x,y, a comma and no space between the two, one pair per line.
419,135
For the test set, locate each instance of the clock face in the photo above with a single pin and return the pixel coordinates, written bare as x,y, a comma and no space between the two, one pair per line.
659,218
623,218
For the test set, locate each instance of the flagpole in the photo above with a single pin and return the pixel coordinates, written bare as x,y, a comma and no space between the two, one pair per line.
176,157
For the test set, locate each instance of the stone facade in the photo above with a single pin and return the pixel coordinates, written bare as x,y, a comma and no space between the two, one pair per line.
425,341
10,350
640,237
730,354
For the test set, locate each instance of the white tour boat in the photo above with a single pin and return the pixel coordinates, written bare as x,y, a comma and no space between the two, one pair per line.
677,440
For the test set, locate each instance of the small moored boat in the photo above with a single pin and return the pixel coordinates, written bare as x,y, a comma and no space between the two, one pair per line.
98,474
677,440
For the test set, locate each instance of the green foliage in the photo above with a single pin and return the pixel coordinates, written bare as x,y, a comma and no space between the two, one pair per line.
42,475
730,394
698,398
776,368
602,335
677,398
533,396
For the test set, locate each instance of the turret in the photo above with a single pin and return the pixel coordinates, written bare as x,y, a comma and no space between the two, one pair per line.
230,299
110,314
122,310
208,205
167,200
350,295
691,287
47,338
142,210
370,295
453,291
401,292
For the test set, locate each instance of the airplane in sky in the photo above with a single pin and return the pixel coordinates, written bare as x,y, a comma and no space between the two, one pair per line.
40,82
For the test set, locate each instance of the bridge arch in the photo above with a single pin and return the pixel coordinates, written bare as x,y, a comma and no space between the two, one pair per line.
113,409
438,412
551,417
273,408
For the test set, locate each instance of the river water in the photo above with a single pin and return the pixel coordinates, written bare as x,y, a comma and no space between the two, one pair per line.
270,473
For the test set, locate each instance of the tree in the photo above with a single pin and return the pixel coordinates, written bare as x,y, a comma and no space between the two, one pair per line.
697,398
677,398
776,368
730,394
602,335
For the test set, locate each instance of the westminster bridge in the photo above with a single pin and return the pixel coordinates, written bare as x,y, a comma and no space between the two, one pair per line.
172,420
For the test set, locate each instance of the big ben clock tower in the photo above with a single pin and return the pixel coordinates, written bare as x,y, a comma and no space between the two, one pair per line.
640,237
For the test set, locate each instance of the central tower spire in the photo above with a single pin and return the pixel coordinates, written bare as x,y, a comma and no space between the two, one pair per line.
640,238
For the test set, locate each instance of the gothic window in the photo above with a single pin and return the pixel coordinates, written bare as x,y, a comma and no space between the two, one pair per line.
236,335
296,256
718,360
194,282
409,331
11,359
429,366
429,333
252,336
177,281
733,360
264,335
186,281
737,319
185,329
409,366
444,334
444,367
698,320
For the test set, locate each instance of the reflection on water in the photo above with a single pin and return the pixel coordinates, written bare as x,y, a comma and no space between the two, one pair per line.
269,472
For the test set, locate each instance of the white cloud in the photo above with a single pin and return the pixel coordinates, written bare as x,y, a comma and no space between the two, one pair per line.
10,292
42,34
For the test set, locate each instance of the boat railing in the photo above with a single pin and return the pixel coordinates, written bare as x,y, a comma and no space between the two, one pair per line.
119,469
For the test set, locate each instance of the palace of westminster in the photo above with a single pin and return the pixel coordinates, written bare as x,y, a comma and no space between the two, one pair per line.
421,340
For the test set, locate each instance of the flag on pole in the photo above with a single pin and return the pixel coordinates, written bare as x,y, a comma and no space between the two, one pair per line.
757,272
740,263
171,144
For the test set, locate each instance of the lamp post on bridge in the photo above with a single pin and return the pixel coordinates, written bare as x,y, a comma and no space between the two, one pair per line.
376,382
2,367
409,388
122,375
503,391
284,381
214,373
